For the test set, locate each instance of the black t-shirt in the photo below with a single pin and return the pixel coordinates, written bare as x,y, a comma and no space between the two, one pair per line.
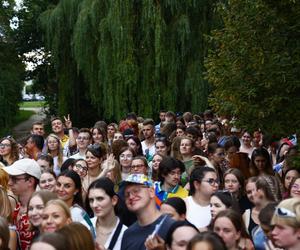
136,235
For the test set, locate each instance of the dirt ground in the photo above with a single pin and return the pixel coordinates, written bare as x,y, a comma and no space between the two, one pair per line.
23,129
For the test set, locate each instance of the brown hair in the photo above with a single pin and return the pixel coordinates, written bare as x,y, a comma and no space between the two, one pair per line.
14,153
4,234
240,177
236,219
78,236
60,153
6,209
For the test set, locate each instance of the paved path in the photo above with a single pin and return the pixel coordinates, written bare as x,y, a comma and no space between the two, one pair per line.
23,129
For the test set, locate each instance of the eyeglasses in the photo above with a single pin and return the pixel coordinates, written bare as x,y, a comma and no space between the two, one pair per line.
296,186
82,138
140,166
4,145
123,157
283,212
212,181
15,179
134,191
81,168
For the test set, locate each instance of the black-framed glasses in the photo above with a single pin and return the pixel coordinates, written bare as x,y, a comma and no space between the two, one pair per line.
80,167
15,179
212,181
139,166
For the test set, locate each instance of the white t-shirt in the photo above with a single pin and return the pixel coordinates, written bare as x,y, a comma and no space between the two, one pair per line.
106,245
196,214
151,151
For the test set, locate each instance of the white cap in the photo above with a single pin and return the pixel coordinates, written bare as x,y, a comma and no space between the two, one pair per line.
24,166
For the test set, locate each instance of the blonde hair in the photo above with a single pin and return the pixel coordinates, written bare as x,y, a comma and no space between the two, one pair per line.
293,206
4,178
6,209
61,204
60,149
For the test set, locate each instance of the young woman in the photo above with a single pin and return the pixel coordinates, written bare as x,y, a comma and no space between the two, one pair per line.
229,225
53,241
295,188
68,189
186,150
35,208
246,146
135,143
157,158
98,135
179,235
261,163
261,194
94,157
222,200
78,237
206,241
103,200
6,213
9,151
286,232
162,146
48,180
56,214
175,207
81,168
54,148
4,235
125,158
288,177
234,182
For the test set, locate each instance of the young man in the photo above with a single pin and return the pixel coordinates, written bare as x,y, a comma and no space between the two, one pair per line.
203,183
38,128
162,117
34,146
24,176
148,145
169,175
83,140
67,141
139,165
140,199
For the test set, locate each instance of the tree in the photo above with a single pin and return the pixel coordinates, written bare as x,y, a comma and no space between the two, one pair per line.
11,68
126,55
253,64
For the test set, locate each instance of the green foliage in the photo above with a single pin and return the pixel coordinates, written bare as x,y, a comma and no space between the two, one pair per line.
11,69
254,62
125,55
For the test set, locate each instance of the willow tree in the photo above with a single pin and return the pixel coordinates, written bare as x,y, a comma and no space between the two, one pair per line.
254,64
130,55
11,68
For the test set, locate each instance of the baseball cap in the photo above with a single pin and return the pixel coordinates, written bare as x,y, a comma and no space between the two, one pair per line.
140,179
24,166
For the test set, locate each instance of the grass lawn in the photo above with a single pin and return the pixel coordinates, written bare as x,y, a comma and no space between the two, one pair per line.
33,104
22,116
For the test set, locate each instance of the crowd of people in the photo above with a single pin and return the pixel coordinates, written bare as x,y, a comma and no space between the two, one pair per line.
192,181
